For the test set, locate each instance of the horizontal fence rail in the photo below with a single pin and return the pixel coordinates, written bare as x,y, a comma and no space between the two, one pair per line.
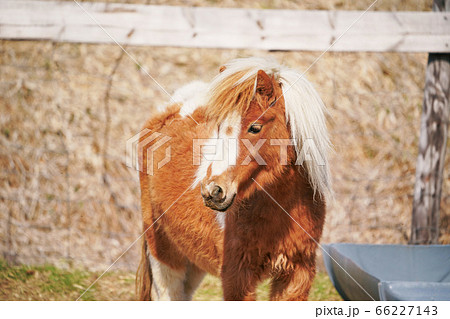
224,28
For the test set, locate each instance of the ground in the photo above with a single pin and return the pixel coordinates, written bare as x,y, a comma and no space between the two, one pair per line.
51,283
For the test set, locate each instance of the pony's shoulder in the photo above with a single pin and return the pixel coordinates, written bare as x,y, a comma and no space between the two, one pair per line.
162,118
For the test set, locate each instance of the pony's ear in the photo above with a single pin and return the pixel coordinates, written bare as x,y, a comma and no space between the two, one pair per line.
264,84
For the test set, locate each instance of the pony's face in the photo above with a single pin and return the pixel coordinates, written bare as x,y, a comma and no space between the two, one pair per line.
247,148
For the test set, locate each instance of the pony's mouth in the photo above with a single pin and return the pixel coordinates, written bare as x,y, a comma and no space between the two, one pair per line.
221,205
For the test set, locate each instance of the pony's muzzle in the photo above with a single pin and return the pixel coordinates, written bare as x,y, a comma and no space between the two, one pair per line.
216,197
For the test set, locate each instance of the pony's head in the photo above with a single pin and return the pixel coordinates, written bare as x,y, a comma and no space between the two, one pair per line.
266,120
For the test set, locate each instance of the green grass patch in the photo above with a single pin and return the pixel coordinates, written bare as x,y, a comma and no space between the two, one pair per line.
48,282
322,289
42,283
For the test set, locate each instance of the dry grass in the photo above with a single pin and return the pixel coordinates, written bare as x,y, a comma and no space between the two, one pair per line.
66,111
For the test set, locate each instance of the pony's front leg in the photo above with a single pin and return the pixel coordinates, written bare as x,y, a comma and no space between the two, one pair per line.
239,281
292,284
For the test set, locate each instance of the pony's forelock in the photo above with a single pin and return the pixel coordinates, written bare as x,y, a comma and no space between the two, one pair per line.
233,89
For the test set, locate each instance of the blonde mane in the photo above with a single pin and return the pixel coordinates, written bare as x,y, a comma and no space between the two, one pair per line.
233,89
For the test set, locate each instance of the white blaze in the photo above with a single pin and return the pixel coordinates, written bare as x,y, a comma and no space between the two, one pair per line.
220,151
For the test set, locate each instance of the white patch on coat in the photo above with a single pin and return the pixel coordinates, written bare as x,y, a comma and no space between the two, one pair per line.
220,219
190,96
221,150
167,284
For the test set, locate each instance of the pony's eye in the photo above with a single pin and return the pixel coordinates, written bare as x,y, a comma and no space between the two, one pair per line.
255,128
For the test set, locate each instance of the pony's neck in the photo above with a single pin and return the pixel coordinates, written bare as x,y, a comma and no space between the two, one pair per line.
286,193
294,181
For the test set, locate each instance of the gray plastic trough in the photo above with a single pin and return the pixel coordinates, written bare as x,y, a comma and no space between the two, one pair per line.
389,272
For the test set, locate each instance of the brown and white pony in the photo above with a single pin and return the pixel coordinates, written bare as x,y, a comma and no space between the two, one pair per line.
243,195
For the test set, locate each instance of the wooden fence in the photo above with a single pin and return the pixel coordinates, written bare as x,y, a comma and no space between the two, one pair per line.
223,28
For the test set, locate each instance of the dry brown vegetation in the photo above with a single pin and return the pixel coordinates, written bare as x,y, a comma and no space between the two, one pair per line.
66,111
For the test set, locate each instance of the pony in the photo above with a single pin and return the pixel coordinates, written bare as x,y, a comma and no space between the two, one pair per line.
243,195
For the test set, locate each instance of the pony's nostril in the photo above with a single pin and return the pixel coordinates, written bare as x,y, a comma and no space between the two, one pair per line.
217,191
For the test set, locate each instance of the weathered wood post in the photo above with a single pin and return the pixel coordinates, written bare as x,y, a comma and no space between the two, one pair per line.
432,146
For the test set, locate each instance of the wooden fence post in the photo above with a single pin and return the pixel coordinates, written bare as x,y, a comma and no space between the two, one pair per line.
432,146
